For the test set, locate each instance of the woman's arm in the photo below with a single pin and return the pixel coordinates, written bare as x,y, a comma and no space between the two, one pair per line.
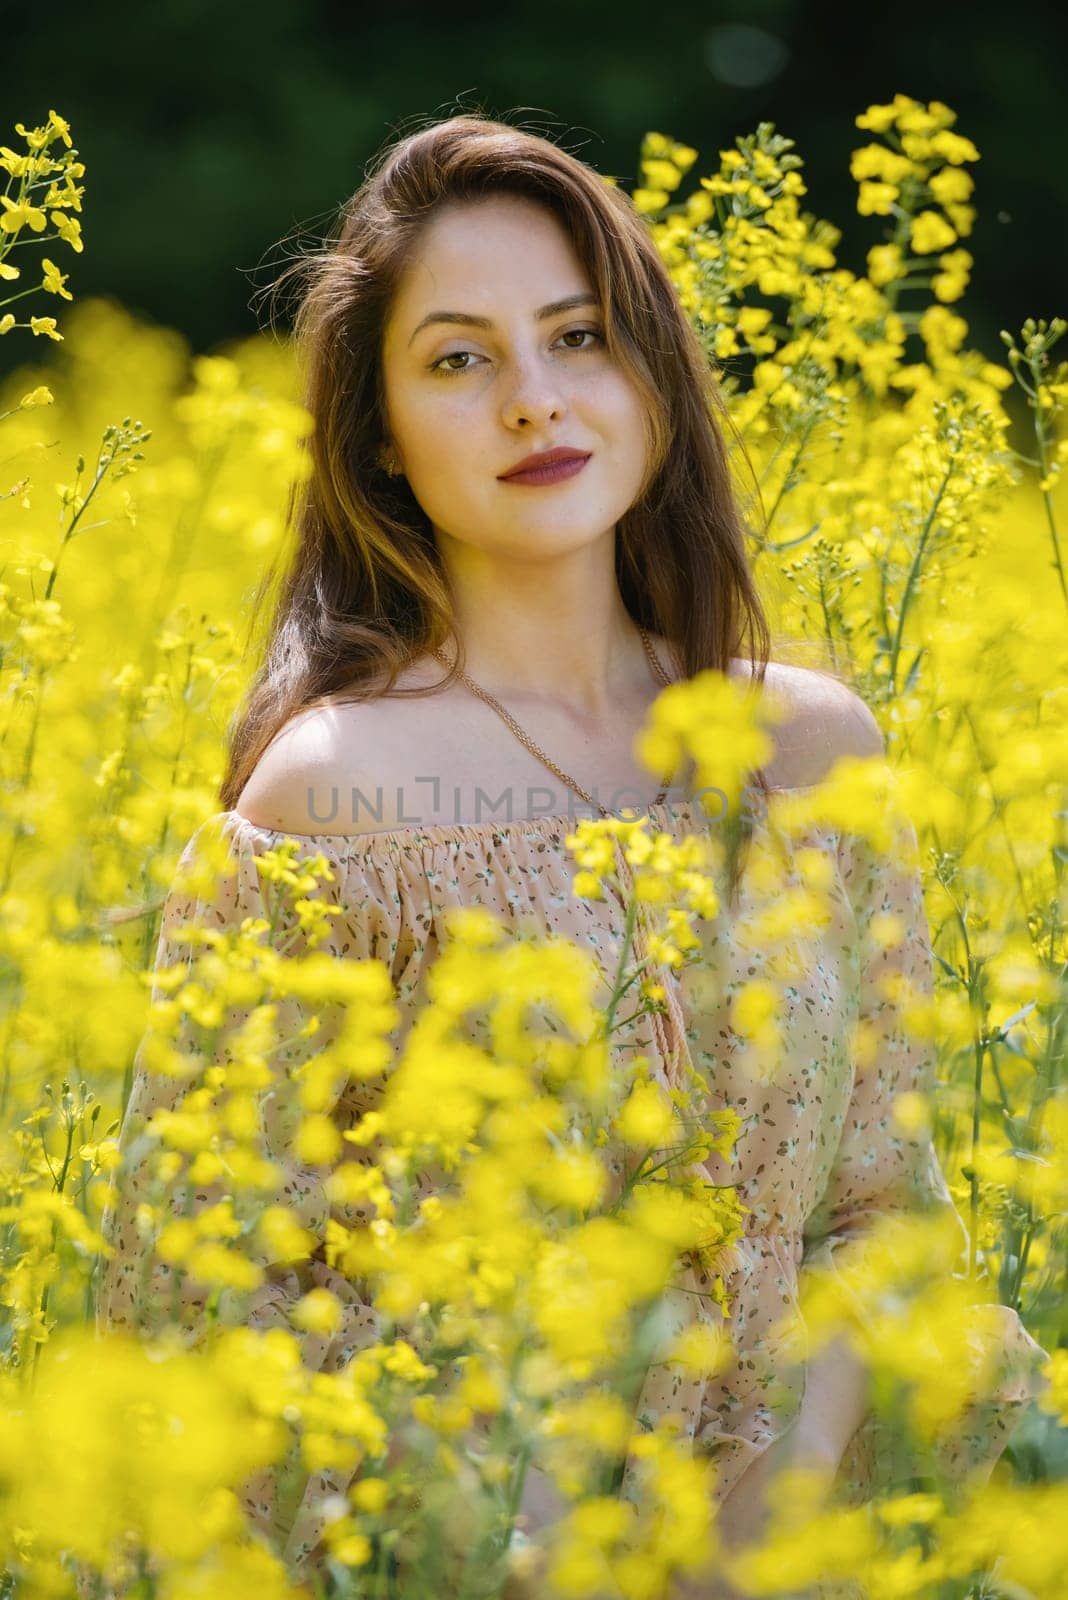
835,1404
837,1398
743,1516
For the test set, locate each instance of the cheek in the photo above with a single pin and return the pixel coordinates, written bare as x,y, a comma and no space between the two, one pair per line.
618,403
625,423
434,423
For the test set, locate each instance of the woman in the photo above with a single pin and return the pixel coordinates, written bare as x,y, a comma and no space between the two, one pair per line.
519,524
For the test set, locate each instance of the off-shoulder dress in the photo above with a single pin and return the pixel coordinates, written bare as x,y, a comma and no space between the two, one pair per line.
819,1160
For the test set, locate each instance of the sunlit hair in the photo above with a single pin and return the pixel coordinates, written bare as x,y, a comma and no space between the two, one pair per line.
361,591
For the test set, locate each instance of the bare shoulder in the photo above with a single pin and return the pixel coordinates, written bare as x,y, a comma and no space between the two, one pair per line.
323,771
823,720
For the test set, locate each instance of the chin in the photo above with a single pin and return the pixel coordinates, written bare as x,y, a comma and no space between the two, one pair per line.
542,537
546,541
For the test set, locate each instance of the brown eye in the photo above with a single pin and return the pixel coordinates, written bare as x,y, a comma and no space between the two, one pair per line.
438,367
589,332
452,356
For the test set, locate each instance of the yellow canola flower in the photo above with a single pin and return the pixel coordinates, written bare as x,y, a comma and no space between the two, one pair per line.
953,147
951,282
906,114
930,232
318,1311
482,1386
69,230
587,886
941,331
140,1449
661,174
583,1294
282,1236
885,263
597,1417
876,199
577,1179
755,1012
318,1140
752,320
1055,1398
20,214
714,721
611,1543
54,280
370,1494
646,1117
951,185
876,161
647,201
350,1548
673,944
702,1349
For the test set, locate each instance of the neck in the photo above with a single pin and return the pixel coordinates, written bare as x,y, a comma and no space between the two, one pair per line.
556,634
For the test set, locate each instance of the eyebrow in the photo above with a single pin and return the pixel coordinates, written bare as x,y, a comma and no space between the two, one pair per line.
553,309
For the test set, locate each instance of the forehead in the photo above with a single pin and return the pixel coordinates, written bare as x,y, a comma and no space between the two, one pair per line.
501,252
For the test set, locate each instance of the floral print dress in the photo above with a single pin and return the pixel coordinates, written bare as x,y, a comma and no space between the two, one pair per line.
819,1159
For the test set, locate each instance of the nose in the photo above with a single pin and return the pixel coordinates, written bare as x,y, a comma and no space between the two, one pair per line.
534,396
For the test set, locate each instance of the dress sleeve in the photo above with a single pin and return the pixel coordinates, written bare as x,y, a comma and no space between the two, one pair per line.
879,1169
171,1172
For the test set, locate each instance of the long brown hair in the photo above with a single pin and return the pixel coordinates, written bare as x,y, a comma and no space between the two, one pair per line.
364,592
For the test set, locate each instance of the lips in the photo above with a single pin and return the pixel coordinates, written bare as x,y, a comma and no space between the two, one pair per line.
551,467
545,458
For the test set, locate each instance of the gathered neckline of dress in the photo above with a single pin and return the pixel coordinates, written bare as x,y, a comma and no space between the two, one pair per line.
420,836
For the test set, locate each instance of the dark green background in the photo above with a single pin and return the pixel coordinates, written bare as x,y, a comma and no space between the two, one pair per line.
214,133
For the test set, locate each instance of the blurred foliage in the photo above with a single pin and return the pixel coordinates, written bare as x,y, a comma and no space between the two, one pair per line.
214,131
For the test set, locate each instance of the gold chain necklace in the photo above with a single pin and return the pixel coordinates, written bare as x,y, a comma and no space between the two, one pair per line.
536,750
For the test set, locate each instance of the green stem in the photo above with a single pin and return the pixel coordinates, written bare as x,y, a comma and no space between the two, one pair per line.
101,474
620,985
1047,497
977,1095
501,1436
18,831
914,571
788,478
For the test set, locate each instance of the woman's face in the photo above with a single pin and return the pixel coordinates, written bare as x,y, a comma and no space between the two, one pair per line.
466,402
